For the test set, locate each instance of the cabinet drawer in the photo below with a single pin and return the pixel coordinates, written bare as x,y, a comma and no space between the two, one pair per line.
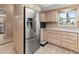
53,32
64,39
54,36
58,37
58,32
64,33
71,41
64,44
72,37
64,36
54,41
50,35
57,42
71,34
71,46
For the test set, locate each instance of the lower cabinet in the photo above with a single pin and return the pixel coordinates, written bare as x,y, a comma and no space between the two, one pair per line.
64,44
64,39
53,37
69,40
72,41
72,47
78,42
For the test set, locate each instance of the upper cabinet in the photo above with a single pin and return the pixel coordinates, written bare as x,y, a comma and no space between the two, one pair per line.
49,16
43,17
54,16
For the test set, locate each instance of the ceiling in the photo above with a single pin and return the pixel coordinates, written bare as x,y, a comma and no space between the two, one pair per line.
46,7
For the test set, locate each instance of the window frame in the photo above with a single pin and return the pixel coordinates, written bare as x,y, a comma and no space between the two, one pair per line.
67,13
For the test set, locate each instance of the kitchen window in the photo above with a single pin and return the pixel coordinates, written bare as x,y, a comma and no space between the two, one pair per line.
67,18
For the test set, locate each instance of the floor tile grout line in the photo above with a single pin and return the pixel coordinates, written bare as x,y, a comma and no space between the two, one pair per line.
6,43
58,49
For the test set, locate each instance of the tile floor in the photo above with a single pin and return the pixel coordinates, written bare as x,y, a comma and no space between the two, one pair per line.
4,40
6,45
7,48
51,49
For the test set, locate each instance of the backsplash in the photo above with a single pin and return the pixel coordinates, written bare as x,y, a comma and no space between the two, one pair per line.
55,24
52,24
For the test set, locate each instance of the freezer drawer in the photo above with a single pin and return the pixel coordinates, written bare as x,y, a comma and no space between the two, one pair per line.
32,45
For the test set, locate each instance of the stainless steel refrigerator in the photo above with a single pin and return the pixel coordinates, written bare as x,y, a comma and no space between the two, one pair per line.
32,30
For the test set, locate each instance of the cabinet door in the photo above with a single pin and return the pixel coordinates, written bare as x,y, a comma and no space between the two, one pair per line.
49,36
54,16
64,39
53,37
64,44
48,16
51,16
78,42
43,17
72,41
72,46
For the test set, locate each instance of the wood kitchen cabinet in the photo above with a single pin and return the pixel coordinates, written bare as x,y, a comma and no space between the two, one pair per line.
48,16
51,16
53,37
72,40
54,16
78,42
69,40
62,38
43,17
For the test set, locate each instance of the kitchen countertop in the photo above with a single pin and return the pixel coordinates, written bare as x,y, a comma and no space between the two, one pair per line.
64,29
